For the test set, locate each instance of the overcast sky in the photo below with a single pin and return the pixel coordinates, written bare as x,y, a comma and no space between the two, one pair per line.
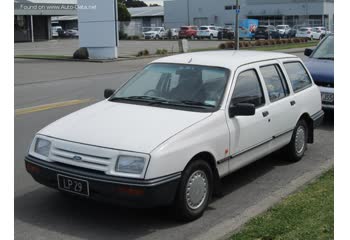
160,2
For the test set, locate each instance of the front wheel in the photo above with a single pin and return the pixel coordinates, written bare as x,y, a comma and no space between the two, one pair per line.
296,148
194,192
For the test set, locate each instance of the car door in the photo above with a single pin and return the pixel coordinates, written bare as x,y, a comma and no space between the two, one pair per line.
247,133
282,105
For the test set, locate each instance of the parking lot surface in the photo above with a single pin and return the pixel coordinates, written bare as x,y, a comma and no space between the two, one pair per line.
43,213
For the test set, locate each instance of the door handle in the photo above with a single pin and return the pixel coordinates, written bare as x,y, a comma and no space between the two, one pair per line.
292,103
265,114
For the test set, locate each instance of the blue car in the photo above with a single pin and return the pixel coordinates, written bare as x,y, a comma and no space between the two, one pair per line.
321,66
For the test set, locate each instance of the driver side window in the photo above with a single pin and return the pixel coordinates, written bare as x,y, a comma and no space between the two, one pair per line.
248,89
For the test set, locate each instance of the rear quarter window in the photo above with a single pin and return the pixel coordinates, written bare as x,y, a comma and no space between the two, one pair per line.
298,76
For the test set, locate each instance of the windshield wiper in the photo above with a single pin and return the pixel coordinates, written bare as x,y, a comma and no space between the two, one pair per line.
141,98
196,103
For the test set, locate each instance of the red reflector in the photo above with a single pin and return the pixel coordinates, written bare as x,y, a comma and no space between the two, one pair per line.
32,168
131,191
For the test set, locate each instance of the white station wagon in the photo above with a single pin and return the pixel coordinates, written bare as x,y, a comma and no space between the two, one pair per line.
172,131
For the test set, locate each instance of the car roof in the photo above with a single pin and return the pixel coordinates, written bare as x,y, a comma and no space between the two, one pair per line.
223,58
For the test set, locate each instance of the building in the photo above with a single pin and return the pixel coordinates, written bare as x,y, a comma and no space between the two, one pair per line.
32,18
141,18
275,12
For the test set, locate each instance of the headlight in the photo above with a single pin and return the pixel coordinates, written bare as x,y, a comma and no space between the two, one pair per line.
130,164
42,147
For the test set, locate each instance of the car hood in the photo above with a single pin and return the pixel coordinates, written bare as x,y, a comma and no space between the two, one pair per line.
322,70
122,126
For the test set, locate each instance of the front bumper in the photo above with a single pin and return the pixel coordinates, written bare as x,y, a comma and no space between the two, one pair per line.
327,90
122,191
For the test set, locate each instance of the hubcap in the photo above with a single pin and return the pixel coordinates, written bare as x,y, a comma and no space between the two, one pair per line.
300,139
196,189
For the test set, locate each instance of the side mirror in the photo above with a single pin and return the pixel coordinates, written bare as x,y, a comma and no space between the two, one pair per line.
242,109
308,51
109,92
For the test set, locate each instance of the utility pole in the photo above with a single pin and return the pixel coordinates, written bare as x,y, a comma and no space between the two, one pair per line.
237,27
188,12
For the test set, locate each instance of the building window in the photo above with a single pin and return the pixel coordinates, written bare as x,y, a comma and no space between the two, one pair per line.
228,7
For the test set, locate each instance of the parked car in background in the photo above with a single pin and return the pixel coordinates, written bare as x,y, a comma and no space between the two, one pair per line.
55,30
304,32
267,32
207,32
283,30
321,66
174,33
222,111
73,33
68,33
188,32
226,33
317,33
293,31
155,33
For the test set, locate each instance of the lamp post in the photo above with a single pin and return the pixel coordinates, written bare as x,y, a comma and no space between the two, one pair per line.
236,27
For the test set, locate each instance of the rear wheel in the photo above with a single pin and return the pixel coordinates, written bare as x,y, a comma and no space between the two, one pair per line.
296,148
194,192
211,37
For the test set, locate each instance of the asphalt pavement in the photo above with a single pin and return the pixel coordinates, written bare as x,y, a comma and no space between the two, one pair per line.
43,213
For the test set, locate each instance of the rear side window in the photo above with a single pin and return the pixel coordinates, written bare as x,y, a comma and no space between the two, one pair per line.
275,82
248,89
297,75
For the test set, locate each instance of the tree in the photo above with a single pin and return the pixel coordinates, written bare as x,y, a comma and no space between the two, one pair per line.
154,5
123,13
134,3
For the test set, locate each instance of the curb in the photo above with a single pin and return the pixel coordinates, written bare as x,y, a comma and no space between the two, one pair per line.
226,229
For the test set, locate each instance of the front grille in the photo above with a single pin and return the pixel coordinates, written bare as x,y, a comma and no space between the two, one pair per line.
81,159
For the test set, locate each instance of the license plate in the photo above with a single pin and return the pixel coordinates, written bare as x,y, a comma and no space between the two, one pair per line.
73,185
328,97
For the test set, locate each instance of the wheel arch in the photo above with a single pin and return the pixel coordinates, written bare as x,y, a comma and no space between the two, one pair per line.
210,159
305,116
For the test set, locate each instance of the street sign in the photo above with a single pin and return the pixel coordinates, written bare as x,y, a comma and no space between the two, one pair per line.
238,10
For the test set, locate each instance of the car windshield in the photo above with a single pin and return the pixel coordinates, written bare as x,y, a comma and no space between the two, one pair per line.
203,28
326,49
184,28
280,27
176,85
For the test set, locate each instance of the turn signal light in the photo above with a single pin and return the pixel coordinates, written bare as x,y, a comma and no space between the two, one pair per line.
131,191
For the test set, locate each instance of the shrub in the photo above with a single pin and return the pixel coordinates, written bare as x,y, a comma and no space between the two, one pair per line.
279,41
143,53
258,43
122,35
133,37
81,53
230,45
161,51
222,46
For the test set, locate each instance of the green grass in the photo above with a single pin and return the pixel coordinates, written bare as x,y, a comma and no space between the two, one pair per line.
305,215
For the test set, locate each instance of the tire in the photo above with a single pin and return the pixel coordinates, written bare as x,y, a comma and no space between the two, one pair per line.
157,37
312,38
211,37
296,148
190,203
